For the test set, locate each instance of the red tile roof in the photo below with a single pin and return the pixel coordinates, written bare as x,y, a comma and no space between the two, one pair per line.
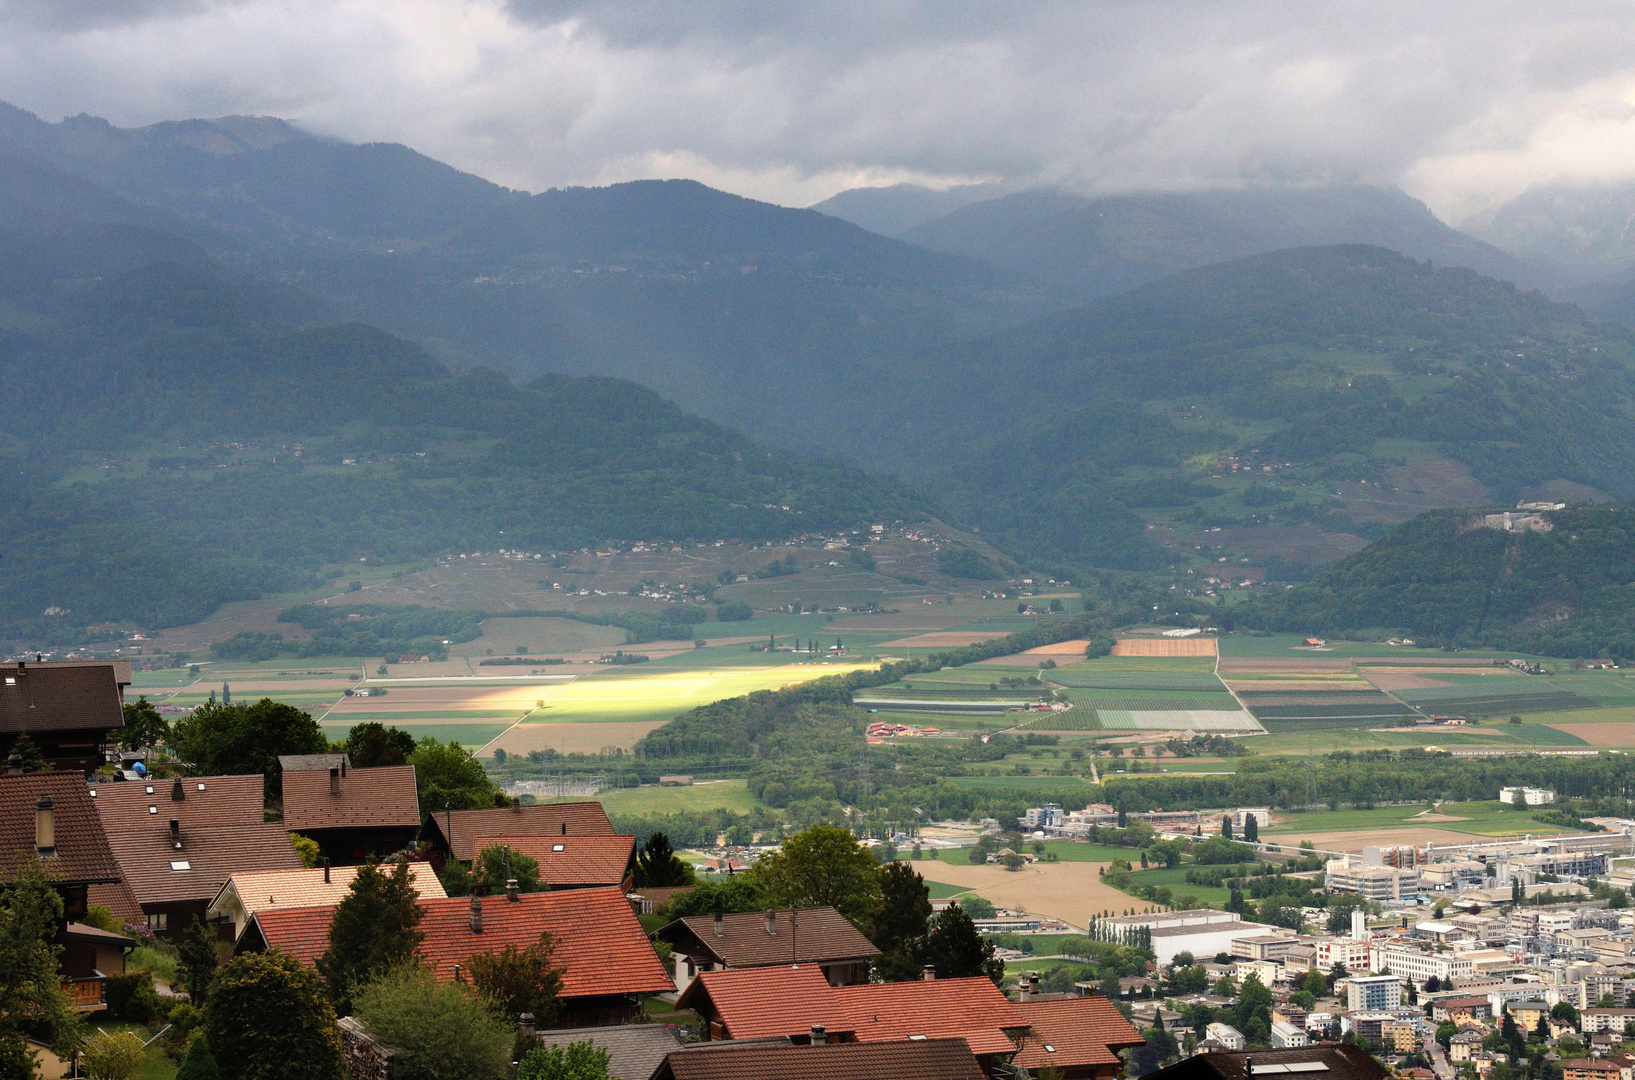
68,695
542,819
223,800
82,852
755,1002
572,862
1072,1032
972,1009
598,938
819,935
383,797
931,1059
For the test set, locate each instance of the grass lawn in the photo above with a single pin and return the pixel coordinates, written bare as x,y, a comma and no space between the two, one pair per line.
941,890
1065,850
1176,879
718,795
155,1064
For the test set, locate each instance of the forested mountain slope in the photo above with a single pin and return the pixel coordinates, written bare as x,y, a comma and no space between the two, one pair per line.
178,435
1449,580
1300,387
732,307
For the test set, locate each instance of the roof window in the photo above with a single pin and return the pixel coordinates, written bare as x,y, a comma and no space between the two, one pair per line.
559,847
11,680
153,809
201,787
180,864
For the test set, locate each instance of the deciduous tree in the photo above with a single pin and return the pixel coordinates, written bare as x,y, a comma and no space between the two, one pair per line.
449,776
239,739
372,744
823,865
267,1018
520,980
143,725
576,1061
439,1030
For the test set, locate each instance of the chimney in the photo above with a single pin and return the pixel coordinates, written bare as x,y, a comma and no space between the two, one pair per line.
177,792
176,834
772,923
513,892
564,828
1033,983
45,827
334,781
476,915
929,973
719,930
1022,988
326,870
343,766
525,1021
819,1035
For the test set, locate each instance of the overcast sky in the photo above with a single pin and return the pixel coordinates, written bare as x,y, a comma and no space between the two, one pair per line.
1460,103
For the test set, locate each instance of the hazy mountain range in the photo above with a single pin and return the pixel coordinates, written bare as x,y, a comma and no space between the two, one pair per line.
1129,382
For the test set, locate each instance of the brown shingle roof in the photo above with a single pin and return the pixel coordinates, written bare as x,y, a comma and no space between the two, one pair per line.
1074,1031
223,800
572,862
819,935
1342,1060
159,873
929,1059
598,938
82,853
117,897
369,798
543,819
64,695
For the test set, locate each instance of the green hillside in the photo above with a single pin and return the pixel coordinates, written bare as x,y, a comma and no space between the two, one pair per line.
1316,387
178,435
1568,591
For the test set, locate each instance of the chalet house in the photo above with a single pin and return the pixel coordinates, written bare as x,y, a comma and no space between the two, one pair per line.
67,707
575,862
816,935
797,1003
178,841
245,894
455,832
925,1059
1328,1061
608,961
50,815
1080,1036
353,814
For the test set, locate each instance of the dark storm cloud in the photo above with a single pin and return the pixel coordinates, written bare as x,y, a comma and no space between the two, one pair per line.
1460,102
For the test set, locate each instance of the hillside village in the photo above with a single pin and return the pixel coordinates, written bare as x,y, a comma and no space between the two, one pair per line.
178,907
